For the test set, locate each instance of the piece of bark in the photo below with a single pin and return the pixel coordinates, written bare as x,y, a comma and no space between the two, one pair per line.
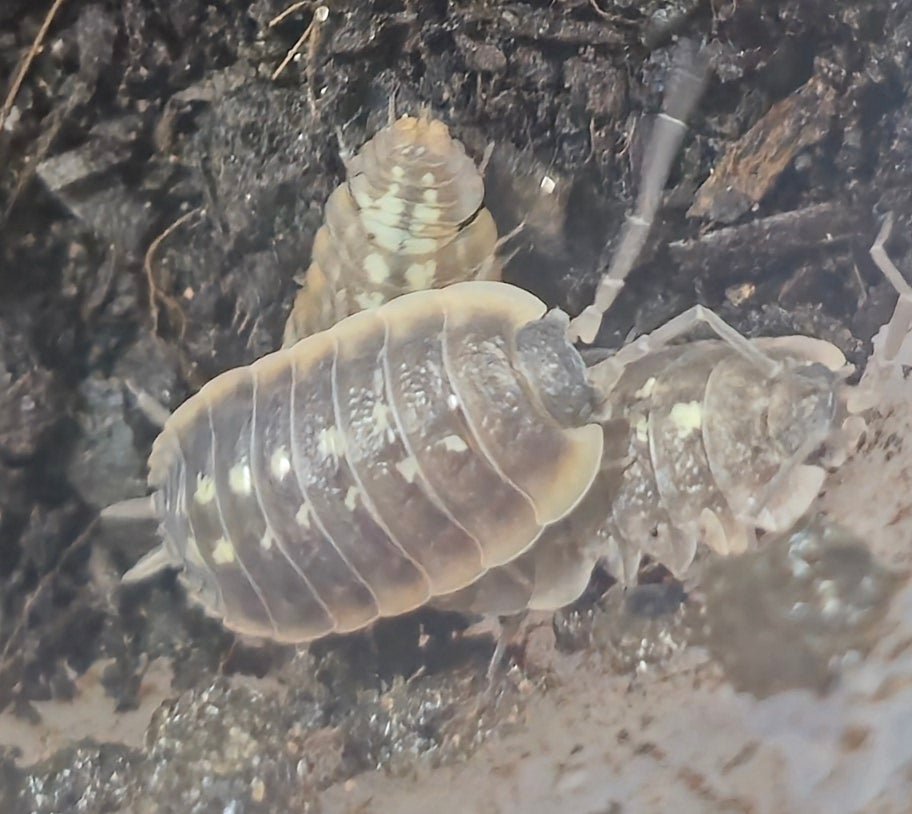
750,168
748,249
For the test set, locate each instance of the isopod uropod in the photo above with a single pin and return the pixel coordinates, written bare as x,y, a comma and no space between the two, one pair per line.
408,217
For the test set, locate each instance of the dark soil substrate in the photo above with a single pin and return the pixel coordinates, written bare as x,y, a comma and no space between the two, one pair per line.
138,113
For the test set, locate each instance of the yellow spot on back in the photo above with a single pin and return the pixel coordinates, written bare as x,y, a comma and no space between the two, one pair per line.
376,268
302,517
380,414
223,552
428,178
331,442
453,443
205,489
374,219
351,498
239,479
687,417
397,171
419,245
266,540
390,203
426,214
646,390
363,200
408,468
280,463
642,431
369,299
420,275
430,196
386,236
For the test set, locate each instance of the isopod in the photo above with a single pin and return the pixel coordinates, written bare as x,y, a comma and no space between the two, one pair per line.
704,444
409,216
394,458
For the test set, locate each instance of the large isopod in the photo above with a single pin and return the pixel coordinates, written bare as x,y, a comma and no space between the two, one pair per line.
392,459
408,217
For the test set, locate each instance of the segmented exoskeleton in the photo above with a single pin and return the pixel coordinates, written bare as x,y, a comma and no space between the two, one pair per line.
396,457
408,217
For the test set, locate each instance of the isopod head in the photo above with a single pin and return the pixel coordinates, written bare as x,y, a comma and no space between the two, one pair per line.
555,370
802,408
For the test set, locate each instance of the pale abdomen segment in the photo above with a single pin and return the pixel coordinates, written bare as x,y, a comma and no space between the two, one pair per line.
363,472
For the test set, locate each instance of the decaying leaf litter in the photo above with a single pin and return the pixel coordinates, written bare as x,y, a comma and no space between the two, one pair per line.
176,112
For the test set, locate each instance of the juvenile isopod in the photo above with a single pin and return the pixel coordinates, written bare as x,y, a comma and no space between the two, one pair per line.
409,216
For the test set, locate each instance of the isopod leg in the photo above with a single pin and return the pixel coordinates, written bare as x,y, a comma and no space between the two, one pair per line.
132,509
485,158
889,342
686,82
391,108
503,260
509,625
605,374
151,408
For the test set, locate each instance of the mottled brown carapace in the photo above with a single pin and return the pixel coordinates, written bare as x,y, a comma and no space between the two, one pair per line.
408,217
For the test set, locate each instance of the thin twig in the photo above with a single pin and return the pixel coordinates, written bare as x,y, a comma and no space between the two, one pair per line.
311,36
607,15
155,292
288,12
27,62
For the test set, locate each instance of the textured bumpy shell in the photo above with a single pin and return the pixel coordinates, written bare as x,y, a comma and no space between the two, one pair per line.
698,449
392,459
408,217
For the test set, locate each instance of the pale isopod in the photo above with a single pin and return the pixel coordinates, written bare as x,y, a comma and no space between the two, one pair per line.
396,457
409,216
451,448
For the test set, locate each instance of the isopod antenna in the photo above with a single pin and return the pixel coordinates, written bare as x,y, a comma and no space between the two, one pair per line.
686,81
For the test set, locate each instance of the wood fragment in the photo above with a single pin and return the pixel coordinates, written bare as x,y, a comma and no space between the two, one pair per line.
751,167
749,248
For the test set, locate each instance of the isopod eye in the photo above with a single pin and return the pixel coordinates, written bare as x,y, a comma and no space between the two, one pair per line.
555,370
802,406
